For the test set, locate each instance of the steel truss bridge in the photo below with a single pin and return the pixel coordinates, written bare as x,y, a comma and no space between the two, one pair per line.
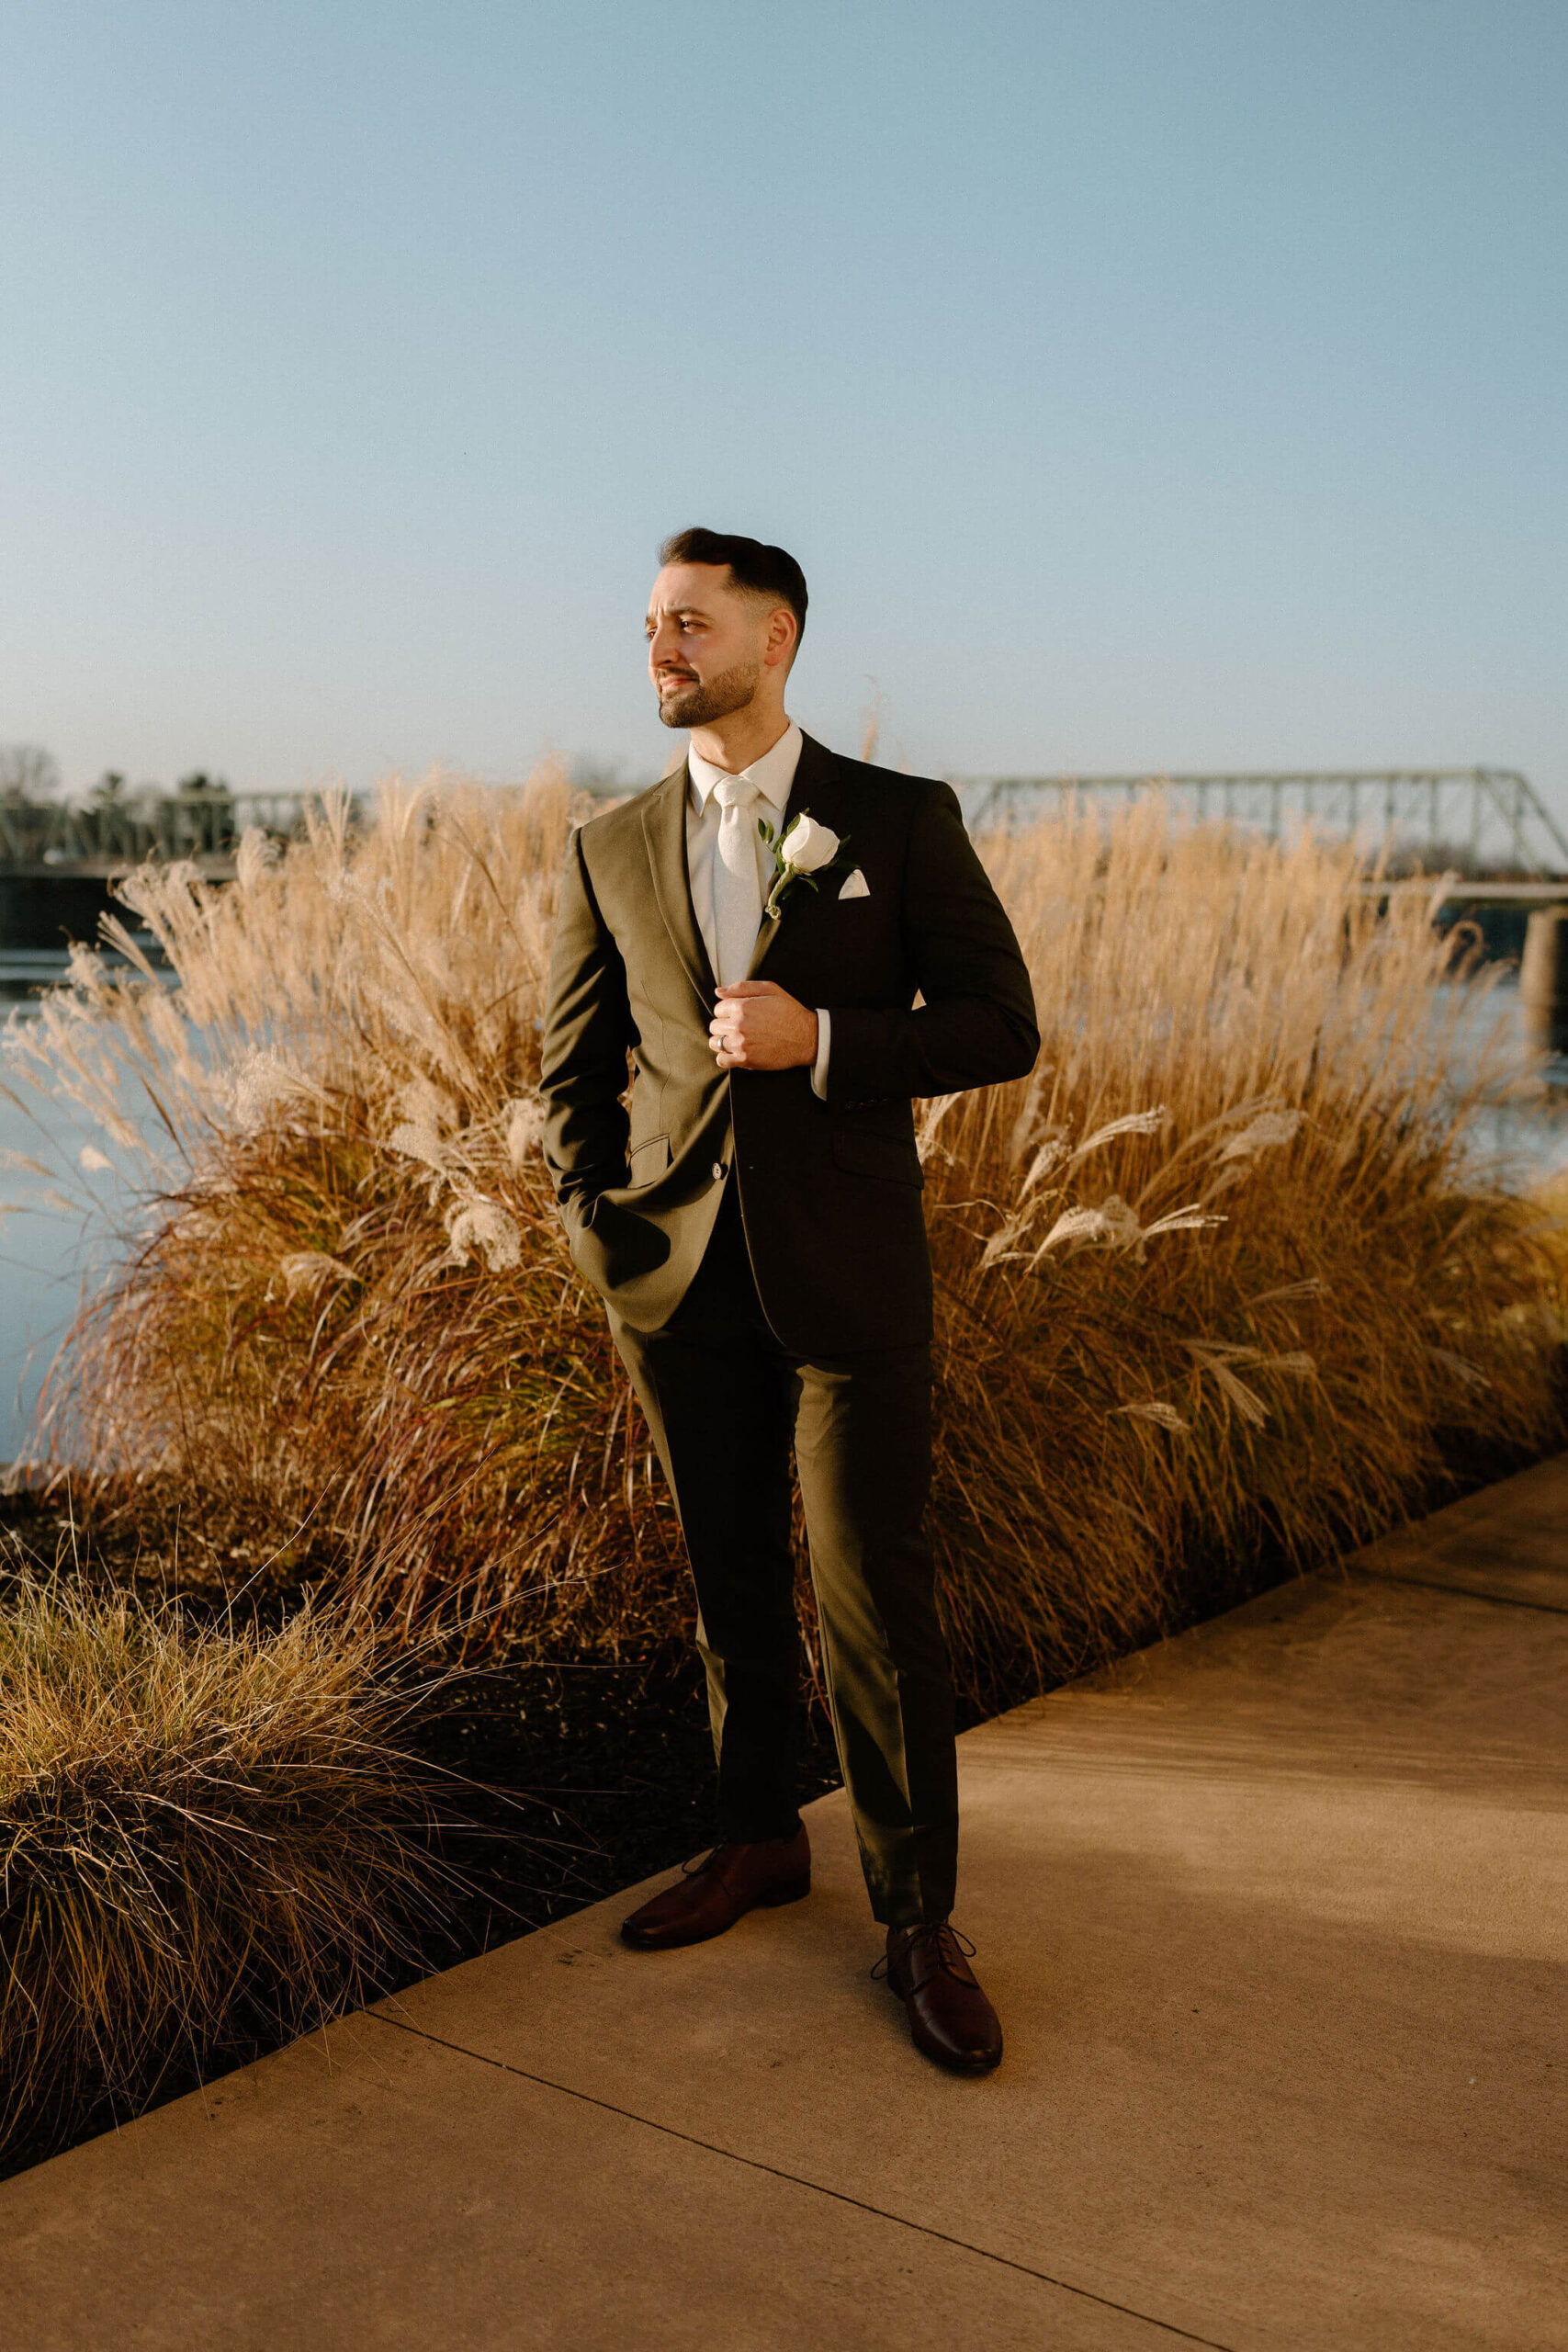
1487,817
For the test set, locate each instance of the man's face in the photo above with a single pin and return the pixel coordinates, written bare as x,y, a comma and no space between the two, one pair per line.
708,643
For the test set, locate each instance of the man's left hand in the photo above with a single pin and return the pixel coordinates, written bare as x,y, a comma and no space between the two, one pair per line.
758,1025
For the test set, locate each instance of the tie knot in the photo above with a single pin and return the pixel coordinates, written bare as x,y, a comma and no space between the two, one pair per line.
735,792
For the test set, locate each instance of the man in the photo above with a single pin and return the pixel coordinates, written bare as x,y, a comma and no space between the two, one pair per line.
754,1226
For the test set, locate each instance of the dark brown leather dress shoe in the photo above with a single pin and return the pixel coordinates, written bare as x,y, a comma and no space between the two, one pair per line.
949,2017
734,1879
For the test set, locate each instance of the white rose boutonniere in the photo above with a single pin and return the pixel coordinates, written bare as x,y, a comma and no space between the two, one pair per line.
803,851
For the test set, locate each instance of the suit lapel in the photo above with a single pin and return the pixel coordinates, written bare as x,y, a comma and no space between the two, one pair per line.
816,792
664,832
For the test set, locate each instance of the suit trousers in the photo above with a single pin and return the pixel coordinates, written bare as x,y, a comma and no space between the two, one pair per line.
725,1399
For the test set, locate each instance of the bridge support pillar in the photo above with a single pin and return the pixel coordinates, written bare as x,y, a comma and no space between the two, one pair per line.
1543,978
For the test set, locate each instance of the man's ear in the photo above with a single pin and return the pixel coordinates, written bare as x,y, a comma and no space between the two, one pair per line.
783,636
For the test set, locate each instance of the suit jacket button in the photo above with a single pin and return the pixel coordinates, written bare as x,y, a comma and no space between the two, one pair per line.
717,1170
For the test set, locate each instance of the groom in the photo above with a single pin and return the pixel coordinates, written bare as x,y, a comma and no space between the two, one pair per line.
751,1217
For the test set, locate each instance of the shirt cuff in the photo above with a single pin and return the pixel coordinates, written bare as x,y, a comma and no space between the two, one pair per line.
824,1046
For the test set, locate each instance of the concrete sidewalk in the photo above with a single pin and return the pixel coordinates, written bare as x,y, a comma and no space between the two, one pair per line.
1274,1914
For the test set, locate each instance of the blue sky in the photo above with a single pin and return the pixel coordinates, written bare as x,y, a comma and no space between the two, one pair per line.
1141,385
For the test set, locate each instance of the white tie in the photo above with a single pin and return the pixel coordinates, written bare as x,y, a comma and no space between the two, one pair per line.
737,887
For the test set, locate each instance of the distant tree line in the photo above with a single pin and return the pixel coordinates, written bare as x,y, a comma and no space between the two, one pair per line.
29,779
114,818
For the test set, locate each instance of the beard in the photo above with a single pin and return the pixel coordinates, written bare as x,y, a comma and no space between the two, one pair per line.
697,704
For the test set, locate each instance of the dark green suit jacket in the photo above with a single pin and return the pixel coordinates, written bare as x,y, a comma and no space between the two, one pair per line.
830,1192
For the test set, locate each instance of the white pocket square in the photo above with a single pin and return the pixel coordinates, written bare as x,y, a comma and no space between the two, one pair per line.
855,885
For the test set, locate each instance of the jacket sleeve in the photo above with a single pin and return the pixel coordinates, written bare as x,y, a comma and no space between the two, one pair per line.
977,1025
582,1056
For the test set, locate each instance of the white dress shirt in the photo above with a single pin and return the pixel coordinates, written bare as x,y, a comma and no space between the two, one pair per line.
772,775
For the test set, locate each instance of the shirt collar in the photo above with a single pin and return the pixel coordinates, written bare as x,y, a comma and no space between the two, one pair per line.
772,775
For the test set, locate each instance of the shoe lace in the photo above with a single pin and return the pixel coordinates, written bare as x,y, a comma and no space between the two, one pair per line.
941,1940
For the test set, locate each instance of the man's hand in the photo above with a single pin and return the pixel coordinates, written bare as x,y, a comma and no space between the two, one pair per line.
758,1025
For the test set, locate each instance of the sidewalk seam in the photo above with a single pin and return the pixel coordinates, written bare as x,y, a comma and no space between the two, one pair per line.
755,2164
1463,1591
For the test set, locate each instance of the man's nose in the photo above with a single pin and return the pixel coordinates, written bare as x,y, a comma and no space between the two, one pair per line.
661,644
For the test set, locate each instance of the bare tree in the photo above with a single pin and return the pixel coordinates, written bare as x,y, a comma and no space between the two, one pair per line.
28,775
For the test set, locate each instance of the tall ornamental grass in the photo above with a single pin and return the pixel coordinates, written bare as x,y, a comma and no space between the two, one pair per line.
209,1841
1218,1282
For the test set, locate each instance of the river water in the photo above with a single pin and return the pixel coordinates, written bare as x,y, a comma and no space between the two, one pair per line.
52,1255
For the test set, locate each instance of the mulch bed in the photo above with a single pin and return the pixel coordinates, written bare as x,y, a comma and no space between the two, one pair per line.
577,1779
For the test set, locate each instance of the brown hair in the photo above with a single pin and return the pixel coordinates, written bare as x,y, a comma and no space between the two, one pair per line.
769,571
